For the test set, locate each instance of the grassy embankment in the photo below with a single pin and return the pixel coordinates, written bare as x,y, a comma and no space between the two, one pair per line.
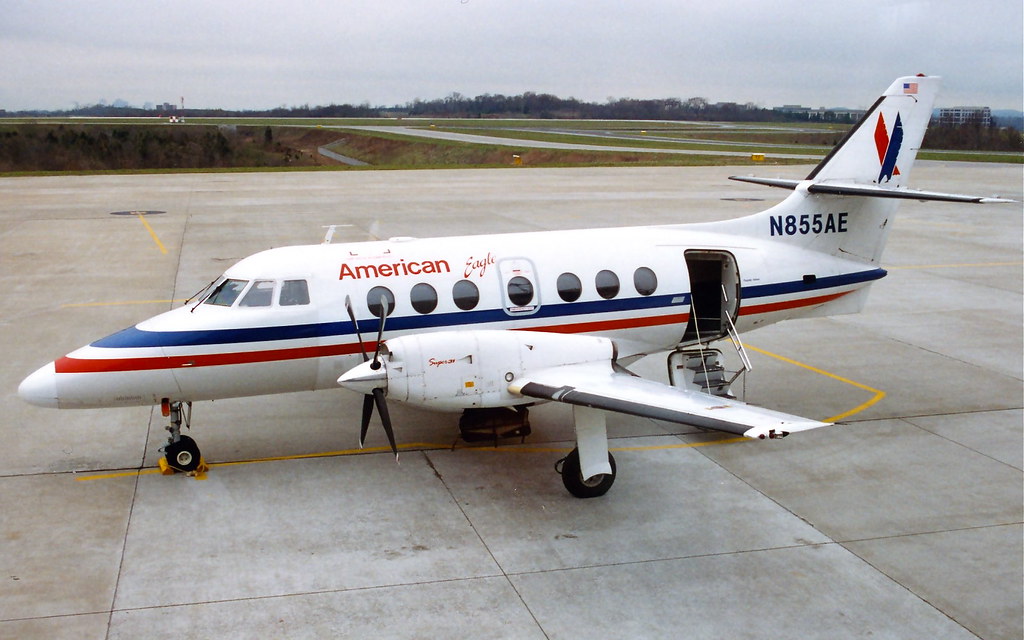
240,144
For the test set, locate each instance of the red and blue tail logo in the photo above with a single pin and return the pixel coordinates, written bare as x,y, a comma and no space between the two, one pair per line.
888,147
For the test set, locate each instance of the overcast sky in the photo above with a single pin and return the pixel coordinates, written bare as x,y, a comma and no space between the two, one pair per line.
258,54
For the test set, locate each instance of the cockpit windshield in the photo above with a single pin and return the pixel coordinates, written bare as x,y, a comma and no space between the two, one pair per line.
260,294
234,292
294,292
226,292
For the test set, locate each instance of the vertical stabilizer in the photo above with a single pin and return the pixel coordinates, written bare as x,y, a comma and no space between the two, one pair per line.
845,205
882,147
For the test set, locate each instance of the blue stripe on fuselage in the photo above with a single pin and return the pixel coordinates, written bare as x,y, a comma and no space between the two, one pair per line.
134,337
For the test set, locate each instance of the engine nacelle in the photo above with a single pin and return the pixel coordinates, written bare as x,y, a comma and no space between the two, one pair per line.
452,371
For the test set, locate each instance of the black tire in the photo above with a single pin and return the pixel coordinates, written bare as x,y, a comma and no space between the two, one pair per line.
183,455
572,477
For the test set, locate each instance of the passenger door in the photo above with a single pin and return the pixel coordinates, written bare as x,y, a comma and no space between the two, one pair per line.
519,290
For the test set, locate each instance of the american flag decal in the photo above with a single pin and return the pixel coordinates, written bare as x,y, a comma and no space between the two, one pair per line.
910,87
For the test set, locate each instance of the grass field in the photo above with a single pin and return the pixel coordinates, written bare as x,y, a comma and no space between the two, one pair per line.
398,143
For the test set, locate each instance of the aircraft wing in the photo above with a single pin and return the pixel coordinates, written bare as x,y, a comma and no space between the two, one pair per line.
599,386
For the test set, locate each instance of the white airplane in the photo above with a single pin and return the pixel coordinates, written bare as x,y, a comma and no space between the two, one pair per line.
489,325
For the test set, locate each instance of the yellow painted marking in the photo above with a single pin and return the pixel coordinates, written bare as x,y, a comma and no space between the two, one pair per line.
878,395
156,239
123,302
415,445
962,265
846,414
300,456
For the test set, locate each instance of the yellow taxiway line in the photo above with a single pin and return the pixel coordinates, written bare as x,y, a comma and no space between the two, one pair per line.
878,394
156,238
414,446
420,446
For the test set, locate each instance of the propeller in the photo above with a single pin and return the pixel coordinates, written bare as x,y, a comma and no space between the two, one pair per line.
370,380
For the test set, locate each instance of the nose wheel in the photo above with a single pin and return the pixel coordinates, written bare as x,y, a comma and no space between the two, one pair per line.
181,453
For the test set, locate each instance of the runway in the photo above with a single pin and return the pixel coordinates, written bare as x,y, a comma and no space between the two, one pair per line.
498,140
903,522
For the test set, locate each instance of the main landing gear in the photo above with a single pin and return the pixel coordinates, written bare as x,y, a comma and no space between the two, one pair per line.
181,453
572,477
589,469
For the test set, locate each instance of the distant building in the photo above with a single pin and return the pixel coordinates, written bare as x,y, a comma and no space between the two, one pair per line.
956,116
832,114
793,109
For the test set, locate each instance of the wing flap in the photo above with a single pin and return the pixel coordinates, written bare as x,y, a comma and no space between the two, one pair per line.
600,387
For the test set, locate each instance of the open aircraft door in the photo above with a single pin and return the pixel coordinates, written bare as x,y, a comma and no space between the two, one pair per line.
714,295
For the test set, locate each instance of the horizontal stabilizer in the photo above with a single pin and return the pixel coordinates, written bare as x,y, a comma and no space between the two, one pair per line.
600,387
868,190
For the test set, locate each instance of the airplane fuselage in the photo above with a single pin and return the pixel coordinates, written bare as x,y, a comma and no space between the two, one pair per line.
276,322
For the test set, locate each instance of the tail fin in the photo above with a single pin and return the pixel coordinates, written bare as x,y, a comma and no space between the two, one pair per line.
882,147
844,206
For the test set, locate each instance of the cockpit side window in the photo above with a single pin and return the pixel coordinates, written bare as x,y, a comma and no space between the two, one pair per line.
294,292
227,292
260,294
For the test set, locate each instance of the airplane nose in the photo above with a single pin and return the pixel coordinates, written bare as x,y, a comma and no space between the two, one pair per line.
40,388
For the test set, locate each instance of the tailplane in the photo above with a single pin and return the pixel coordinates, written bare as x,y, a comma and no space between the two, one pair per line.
844,206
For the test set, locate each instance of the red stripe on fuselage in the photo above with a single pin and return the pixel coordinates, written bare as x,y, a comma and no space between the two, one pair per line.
790,304
101,365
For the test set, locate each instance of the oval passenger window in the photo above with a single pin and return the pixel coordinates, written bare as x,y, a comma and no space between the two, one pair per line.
423,297
465,294
607,284
569,287
373,300
645,281
520,291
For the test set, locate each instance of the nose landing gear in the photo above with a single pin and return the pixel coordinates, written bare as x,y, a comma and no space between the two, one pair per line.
181,453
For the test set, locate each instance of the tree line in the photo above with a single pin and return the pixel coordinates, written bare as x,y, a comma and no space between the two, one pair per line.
90,148
973,136
455,105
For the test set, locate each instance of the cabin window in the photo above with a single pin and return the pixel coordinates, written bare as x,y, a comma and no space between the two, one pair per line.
569,287
520,291
260,294
226,293
607,284
465,294
424,298
294,292
373,301
645,281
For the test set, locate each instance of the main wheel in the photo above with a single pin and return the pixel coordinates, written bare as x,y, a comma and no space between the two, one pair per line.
572,477
183,455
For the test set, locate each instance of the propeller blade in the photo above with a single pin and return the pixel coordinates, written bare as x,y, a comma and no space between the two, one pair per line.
385,418
365,424
352,317
358,379
380,332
